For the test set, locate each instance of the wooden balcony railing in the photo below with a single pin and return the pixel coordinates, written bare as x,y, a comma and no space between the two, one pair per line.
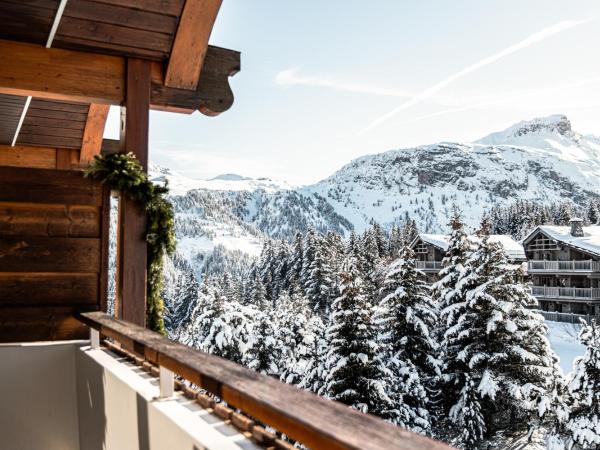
429,265
566,292
314,421
584,266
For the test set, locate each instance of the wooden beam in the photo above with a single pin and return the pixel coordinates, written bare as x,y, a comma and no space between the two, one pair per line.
93,133
52,73
211,97
67,159
131,286
191,42
33,70
25,156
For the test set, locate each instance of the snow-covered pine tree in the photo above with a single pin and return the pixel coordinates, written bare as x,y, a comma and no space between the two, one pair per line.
593,215
468,416
282,268
583,426
296,261
264,351
318,281
315,371
504,360
218,326
380,239
258,293
395,242
407,318
409,231
295,336
356,375
183,300
450,304
308,255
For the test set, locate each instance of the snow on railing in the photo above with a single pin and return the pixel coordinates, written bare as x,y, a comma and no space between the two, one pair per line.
564,266
566,292
565,317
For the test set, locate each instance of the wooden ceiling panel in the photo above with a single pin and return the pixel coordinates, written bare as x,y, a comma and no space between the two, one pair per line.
120,29
166,7
11,107
27,20
53,124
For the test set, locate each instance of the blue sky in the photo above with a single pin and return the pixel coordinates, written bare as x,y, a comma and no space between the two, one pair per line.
324,82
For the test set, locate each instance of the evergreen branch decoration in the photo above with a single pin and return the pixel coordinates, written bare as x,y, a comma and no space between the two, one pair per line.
124,173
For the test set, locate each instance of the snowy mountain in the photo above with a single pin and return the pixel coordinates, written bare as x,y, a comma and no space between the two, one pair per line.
541,159
227,218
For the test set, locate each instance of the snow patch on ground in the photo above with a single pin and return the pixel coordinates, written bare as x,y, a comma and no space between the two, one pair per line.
563,339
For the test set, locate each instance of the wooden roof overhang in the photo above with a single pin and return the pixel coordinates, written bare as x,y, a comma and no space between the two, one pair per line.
64,63
58,97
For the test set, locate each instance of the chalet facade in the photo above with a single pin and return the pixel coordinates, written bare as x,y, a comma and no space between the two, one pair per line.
430,250
564,267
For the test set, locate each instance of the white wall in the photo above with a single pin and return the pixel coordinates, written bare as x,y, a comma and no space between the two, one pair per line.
66,396
38,399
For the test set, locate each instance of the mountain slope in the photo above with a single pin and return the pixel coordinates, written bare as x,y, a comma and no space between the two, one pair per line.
542,159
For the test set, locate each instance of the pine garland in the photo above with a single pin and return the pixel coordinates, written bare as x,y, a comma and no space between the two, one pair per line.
124,173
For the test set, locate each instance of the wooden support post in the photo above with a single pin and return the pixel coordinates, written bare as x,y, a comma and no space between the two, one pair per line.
131,293
93,133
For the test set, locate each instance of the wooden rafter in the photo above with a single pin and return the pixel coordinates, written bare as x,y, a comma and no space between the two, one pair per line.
32,70
93,133
191,43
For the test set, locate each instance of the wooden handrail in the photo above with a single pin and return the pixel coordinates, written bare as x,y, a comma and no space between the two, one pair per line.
316,422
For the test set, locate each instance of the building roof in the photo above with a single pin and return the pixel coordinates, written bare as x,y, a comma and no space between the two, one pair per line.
513,249
68,62
589,242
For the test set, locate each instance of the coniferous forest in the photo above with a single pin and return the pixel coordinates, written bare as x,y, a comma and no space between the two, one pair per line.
465,360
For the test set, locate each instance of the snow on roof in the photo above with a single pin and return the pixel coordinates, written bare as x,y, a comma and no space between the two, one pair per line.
437,240
589,242
514,250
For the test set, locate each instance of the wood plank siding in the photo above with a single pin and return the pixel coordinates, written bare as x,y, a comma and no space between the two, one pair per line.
53,241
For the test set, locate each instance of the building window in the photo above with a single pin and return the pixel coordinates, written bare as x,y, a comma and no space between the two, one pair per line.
543,243
421,248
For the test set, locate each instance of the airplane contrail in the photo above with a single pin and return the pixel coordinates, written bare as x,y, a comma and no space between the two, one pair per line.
527,42
505,99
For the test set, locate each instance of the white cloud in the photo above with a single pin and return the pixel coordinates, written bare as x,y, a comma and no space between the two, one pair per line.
292,77
525,43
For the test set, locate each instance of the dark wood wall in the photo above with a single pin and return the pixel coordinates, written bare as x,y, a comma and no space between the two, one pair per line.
53,252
